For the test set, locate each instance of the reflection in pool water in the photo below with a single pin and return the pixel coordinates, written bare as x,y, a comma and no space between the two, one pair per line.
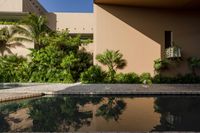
110,113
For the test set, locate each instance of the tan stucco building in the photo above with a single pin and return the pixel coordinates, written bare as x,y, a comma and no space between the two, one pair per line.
140,29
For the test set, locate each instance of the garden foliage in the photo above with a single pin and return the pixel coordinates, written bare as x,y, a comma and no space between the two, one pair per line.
60,60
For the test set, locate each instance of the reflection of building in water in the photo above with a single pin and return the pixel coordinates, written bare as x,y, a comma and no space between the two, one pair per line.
137,115
19,120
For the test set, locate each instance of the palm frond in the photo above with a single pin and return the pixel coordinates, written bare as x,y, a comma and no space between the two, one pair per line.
20,30
19,39
5,49
14,45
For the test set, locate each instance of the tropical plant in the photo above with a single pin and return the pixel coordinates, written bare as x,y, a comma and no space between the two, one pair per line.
93,75
146,78
161,64
194,64
113,60
127,78
8,41
60,60
33,28
10,68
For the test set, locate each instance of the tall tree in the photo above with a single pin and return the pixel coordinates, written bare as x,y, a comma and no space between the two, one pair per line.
34,28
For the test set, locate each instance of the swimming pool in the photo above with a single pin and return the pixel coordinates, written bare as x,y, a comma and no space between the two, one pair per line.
102,113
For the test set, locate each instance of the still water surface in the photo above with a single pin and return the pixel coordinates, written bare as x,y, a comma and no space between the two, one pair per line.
109,113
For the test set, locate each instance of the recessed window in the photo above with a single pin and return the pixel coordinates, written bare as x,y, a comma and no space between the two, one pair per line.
168,39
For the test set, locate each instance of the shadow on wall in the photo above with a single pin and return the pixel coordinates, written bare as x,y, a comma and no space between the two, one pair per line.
52,21
154,22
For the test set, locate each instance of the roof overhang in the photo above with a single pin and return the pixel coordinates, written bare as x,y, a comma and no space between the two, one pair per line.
12,15
191,4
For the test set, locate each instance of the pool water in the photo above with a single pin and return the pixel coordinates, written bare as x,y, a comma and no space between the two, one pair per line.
96,113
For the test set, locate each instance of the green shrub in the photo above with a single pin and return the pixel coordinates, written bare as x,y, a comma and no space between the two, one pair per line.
187,79
146,78
7,23
93,75
127,78
10,68
161,64
57,57
179,79
158,79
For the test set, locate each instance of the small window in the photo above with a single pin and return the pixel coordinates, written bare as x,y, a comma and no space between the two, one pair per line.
168,39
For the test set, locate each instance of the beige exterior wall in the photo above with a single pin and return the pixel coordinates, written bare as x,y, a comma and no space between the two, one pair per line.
115,33
82,23
139,34
11,5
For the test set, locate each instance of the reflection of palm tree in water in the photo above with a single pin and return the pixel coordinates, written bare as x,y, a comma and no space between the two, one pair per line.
112,109
4,126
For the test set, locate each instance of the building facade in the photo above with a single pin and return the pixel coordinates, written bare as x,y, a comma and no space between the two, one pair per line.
138,28
142,30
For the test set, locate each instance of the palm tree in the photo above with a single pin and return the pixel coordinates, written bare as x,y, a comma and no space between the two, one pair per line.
113,60
8,40
32,27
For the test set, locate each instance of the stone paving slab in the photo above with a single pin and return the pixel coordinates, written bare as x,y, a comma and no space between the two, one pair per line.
23,91
133,89
78,88
38,88
11,97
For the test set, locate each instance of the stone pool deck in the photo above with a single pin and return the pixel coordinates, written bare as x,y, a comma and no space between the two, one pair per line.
31,90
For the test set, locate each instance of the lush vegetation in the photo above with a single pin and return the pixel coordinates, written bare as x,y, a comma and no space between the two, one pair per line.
57,57
96,75
33,29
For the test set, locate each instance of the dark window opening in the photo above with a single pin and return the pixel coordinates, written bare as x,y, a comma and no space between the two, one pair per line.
168,39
